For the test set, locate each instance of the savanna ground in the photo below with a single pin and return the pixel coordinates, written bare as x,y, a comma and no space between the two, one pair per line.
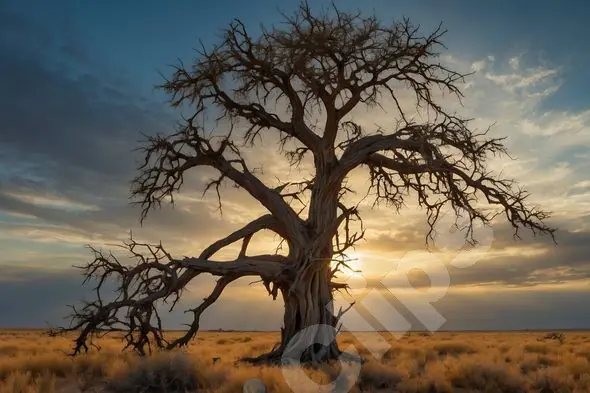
31,362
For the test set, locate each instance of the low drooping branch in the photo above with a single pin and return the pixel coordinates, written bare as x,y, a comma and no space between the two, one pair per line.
156,279
462,190
193,327
444,164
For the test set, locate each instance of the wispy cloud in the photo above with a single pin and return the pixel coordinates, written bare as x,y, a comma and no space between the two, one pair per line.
67,158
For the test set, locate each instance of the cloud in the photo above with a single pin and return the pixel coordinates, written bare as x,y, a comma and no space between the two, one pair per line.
68,131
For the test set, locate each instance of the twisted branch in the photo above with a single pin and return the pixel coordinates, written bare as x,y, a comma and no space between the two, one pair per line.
444,164
156,279
168,158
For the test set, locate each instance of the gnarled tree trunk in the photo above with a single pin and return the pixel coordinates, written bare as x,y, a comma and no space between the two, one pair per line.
309,323
309,331
308,310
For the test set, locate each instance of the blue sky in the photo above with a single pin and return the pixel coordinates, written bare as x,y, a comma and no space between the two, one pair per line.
77,88
134,39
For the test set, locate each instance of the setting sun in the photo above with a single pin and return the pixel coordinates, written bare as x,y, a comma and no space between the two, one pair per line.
352,266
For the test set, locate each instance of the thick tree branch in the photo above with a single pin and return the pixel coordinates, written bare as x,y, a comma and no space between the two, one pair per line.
168,158
265,266
459,180
359,151
265,222
140,306
155,278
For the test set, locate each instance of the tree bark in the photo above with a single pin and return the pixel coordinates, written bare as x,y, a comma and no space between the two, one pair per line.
309,329
309,324
309,307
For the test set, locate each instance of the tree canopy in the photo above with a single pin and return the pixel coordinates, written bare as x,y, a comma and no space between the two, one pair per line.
275,83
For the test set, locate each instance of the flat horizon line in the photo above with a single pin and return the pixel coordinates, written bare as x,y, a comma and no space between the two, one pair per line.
525,330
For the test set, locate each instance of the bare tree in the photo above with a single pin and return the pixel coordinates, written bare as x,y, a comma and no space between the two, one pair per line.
327,63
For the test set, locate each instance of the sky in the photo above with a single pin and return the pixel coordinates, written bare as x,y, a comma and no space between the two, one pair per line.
77,90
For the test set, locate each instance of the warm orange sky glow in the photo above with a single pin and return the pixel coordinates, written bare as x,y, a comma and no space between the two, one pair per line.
65,175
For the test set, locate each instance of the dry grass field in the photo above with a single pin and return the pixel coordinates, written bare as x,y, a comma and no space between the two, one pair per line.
31,362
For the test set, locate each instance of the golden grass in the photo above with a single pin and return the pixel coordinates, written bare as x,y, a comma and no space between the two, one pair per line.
416,363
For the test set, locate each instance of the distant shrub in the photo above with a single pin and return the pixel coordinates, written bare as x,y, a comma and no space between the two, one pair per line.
553,336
